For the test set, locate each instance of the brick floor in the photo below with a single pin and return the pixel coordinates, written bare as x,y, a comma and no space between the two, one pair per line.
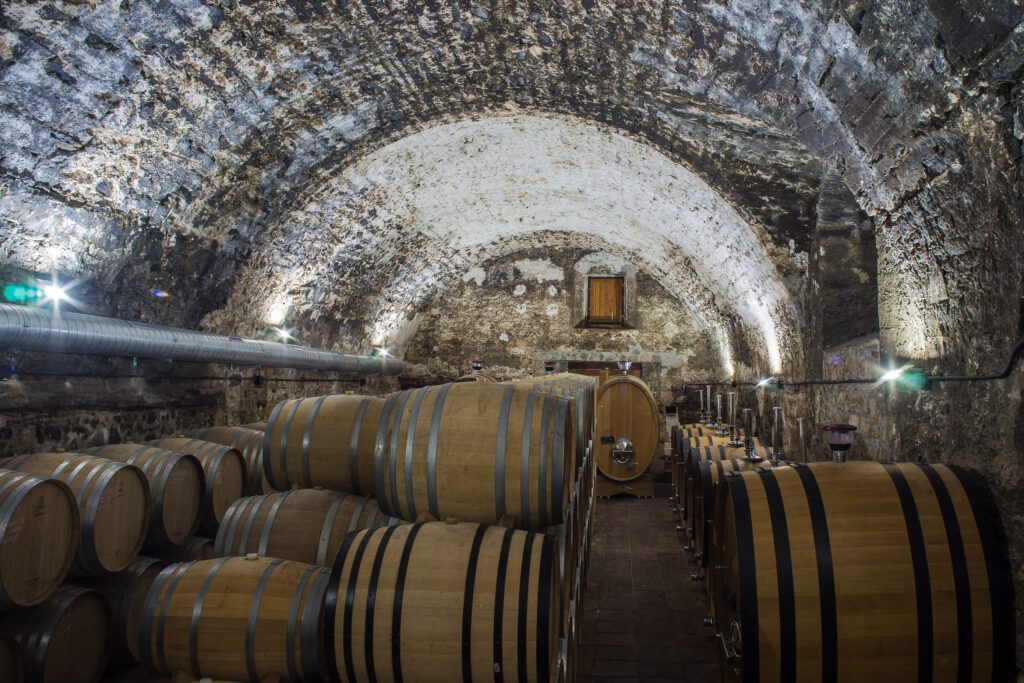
642,614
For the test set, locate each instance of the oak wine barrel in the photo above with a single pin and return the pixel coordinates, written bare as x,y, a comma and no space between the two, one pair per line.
706,486
302,525
696,455
12,664
176,482
114,505
39,529
225,472
63,640
443,602
249,442
626,408
237,618
258,426
582,389
323,441
475,378
860,571
195,548
125,592
476,452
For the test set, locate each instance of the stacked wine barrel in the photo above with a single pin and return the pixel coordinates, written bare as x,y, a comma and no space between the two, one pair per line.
433,534
85,517
861,570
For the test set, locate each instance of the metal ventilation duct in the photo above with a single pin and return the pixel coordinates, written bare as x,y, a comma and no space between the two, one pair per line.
35,329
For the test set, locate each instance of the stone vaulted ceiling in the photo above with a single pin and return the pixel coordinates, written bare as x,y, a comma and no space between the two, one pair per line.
218,146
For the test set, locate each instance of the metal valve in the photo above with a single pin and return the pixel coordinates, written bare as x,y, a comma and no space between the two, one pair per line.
623,452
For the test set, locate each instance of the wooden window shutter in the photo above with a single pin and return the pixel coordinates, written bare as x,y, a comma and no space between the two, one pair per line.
605,300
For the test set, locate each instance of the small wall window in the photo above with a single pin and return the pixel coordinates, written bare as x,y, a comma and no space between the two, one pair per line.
605,300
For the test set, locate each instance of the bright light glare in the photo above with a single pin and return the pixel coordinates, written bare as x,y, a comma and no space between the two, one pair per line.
384,351
284,333
55,293
893,374
764,381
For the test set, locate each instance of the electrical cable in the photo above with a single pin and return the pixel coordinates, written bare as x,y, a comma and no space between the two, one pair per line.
1010,364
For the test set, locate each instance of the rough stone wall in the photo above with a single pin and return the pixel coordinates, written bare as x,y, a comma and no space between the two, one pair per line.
199,127
865,406
515,312
66,401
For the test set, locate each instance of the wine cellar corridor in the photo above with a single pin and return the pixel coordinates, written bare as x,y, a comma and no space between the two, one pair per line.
519,342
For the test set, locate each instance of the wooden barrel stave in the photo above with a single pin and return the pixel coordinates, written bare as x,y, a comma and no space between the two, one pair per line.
473,600
303,525
125,592
39,531
323,441
501,451
694,456
12,664
114,504
237,618
176,483
195,548
249,442
63,640
870,547
225,476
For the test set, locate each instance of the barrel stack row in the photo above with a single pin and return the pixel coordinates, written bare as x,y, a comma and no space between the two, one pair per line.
864,570
436,534
323,538
73,527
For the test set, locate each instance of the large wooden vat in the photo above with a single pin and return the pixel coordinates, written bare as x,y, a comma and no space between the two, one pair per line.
249,442
176,483
236,618
125,592
114,505
63,640
443,602
39,530
324,441
304,525
625,408
225,472
475,452
860,571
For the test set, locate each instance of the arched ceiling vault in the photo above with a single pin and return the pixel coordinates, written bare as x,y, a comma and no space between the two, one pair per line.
141,140
450,197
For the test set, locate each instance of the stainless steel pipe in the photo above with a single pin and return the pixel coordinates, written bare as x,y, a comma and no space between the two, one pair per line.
38,329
